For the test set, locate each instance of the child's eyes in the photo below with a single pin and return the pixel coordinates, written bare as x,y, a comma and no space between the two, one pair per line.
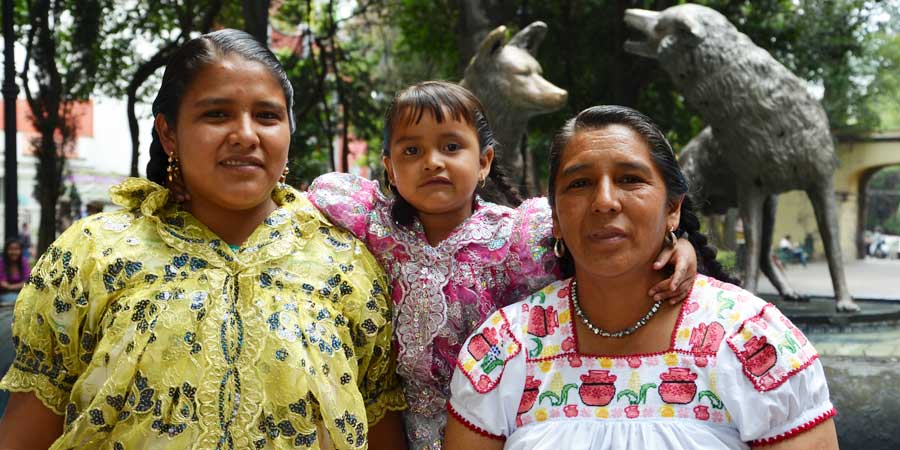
410,151
452,147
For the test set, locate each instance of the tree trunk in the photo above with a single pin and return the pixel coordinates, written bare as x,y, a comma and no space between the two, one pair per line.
473,26
148,68
49,194
256,19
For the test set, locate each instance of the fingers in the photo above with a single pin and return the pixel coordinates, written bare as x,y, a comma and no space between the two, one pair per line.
663,258
674,289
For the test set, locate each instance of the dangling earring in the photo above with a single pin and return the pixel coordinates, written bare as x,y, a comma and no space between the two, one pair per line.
283,178
483,182
173,171
670,238
559,248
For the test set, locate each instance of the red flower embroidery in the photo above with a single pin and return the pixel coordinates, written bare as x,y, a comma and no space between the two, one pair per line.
634,361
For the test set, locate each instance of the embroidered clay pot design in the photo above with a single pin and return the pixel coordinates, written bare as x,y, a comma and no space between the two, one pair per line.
678,386
701,412
759,356
481,343
597,388
542,322
529,395
705,338
632,411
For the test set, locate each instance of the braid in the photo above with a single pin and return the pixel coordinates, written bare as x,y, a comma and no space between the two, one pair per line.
401,211
159,161
706,254
501,180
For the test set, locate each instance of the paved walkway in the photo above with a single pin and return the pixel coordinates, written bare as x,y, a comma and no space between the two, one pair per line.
868,278
871,279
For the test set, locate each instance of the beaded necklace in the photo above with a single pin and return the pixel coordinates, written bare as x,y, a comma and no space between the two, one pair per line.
610,334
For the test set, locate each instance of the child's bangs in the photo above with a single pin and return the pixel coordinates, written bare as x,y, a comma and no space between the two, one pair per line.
434,100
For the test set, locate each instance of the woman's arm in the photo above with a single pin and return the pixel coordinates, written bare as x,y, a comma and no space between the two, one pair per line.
821,437
28,424
388,433
459,437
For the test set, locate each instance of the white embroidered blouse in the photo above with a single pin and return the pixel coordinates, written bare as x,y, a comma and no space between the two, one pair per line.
737,372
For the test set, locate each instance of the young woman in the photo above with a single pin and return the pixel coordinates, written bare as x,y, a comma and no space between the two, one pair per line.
240,319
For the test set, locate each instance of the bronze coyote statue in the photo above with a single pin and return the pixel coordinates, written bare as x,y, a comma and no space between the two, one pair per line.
773,133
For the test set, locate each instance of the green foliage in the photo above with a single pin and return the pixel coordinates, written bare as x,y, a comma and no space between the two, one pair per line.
883,200
728,260
832,44
336,78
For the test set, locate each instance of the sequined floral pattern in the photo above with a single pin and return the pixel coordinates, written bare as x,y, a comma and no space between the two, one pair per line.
146,331
497,256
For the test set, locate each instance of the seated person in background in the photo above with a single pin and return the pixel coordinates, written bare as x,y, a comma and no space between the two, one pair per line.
789,252
14,271
592,362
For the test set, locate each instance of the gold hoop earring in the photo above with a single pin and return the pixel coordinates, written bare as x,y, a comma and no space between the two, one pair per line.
670,239
559,248
483,182
284,174
173,171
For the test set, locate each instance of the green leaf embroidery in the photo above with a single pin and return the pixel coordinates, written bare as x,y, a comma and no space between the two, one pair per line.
635,398
557,400
790,343
714,400
536,351
490,363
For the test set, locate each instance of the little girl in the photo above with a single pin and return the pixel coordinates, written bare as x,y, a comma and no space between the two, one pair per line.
453,258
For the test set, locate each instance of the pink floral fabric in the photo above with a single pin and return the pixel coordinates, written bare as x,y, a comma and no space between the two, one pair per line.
441,294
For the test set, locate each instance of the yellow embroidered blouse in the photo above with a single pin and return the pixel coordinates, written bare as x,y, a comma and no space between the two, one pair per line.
147,331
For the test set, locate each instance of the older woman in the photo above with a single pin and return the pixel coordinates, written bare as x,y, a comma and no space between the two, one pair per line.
591,362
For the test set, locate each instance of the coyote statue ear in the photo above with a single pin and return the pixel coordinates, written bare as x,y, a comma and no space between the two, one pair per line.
530,38
691,26
493,42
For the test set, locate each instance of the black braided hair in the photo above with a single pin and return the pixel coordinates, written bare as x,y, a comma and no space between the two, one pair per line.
441,98
189,60
663,157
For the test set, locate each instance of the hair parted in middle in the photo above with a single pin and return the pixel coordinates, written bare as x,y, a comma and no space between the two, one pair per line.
663,157
183,67
444,101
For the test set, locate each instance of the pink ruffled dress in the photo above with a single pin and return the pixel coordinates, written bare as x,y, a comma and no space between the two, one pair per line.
441,294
